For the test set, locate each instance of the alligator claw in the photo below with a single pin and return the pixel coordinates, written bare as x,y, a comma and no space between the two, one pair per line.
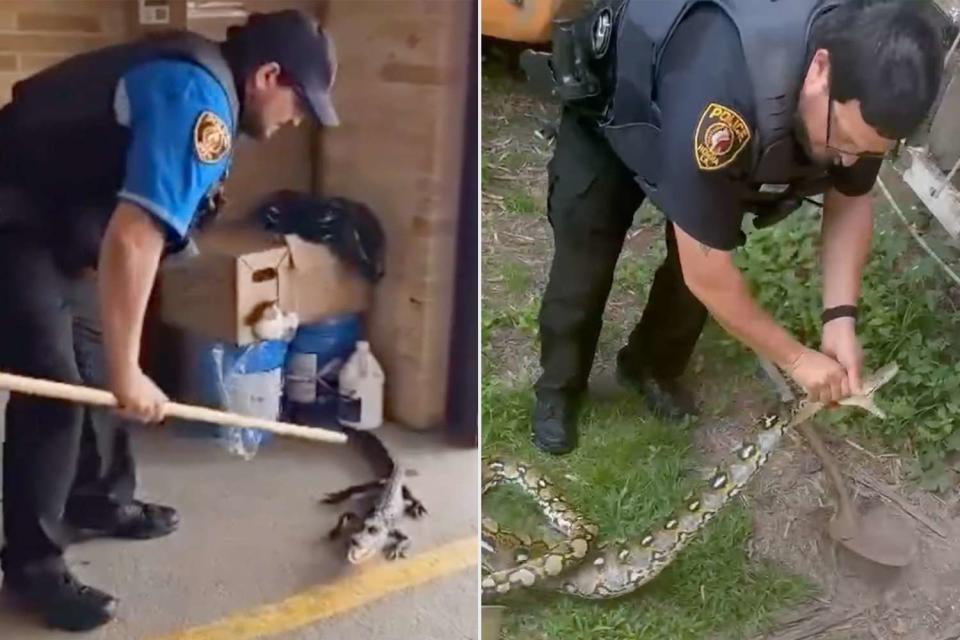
344,519
415,509
399,546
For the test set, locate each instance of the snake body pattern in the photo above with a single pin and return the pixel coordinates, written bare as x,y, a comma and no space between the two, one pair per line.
579,565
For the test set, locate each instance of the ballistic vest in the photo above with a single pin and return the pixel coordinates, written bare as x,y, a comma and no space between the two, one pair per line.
775,40
60,140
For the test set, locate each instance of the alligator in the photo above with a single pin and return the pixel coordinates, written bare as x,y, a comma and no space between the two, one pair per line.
389,499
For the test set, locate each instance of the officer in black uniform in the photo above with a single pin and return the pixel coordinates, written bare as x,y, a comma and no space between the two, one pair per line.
110,160
711,110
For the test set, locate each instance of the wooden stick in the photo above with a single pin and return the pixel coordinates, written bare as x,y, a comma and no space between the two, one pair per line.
90,395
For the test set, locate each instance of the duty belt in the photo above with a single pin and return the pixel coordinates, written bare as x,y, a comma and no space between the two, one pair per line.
576,69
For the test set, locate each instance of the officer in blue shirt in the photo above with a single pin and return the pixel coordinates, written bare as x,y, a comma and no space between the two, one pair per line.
110,160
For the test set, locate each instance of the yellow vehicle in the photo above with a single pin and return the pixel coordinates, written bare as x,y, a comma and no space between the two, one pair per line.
525,20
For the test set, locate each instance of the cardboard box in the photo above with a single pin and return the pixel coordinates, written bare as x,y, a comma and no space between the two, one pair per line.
219,293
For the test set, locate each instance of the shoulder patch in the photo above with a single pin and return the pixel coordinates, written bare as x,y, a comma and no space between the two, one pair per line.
721,136
211,138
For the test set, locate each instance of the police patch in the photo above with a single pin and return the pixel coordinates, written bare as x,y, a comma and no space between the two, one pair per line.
211,138
721,136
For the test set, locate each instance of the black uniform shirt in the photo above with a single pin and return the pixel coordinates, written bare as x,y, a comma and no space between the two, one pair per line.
705,98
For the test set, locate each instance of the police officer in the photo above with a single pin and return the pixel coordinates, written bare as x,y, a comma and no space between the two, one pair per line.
110,160
711,110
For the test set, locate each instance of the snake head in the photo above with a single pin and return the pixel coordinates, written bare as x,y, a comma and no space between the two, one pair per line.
866,400
866,403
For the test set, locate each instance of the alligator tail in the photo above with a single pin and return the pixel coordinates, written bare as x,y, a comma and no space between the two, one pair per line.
372,449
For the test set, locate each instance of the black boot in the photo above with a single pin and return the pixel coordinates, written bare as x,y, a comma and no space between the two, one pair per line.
555,423
665,397
133,521
49,589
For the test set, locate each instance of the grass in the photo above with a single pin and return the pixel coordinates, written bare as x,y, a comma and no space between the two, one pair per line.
629,472
908,314
521,203
517,278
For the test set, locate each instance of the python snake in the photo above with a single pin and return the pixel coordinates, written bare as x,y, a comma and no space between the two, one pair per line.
581,566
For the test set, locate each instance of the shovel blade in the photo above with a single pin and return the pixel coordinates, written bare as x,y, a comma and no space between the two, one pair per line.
881,535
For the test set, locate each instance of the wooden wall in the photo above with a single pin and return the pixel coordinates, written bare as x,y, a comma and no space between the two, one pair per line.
400,93
37,33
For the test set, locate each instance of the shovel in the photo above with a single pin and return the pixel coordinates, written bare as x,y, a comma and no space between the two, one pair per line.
99,397
880,535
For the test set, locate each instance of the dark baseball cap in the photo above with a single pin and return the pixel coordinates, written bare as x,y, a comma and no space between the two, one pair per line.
304,51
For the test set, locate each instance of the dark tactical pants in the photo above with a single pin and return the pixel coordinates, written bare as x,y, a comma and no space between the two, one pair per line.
591,203
59,458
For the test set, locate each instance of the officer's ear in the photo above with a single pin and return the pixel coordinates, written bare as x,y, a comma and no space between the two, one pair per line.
818,74
267,75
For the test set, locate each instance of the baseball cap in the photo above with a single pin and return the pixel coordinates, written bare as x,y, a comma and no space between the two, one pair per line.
304,51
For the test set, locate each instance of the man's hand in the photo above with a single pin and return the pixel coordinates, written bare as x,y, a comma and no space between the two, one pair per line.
823,378
840,342
138,396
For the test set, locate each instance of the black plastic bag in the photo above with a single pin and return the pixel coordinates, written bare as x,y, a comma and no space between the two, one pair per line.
349,228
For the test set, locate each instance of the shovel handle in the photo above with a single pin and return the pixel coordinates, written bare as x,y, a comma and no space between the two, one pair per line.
830,465
99,397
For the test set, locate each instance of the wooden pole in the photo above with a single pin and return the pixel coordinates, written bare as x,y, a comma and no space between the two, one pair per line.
99,397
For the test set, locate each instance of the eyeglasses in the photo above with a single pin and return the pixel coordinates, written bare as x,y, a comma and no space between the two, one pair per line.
847,152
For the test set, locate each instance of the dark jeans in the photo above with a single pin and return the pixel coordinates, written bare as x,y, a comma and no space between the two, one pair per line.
591,203
59,458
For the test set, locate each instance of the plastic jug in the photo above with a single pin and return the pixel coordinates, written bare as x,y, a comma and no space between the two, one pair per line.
361,390
313,364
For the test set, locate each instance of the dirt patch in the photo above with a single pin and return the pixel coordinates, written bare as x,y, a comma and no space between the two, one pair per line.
792,501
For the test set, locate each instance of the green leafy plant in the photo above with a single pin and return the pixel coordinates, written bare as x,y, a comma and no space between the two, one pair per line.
905,316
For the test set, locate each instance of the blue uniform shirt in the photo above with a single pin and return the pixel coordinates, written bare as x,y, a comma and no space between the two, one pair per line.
181,139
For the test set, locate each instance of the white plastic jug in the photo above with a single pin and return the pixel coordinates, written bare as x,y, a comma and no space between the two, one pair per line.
361,390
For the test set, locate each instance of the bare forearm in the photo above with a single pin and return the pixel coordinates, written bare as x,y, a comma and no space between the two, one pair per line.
846,234
729,302
128,265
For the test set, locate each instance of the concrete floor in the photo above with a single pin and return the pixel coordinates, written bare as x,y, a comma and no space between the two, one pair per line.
253,533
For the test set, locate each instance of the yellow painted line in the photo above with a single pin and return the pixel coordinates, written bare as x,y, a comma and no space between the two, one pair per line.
366,585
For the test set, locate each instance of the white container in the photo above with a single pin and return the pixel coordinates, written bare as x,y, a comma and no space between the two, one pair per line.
361,390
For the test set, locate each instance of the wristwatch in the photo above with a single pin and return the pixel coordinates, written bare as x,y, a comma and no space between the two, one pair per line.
841,311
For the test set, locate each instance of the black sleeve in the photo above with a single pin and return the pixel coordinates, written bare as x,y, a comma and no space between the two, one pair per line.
858,179
707,131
